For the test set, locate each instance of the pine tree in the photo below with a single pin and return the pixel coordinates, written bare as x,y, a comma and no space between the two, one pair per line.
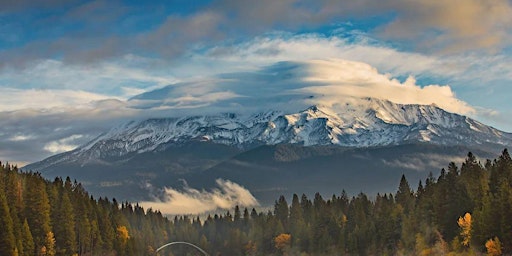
297,224
246,219
27,240
7,239
64,226
14,195
474,179
281,211
404,195
37,210
501,172
237,215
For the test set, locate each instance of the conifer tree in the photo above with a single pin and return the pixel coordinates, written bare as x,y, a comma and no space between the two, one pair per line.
27,240
64,226
246,219
37,210
237,215
474,179
404,195
7,239
281,211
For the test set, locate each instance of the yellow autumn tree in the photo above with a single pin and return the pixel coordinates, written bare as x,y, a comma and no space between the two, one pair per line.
50,244
493,247
465,226
282,241
49,248
122,233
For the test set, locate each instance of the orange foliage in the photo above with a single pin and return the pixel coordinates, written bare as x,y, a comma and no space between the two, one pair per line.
282,241
465,226
493,247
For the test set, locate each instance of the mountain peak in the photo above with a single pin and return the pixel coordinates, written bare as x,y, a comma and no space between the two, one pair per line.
362,123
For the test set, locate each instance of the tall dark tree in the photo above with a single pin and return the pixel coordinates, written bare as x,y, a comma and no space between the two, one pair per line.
27,240
37,210
64,226
237,214
281,210
404,195
474,179
7,239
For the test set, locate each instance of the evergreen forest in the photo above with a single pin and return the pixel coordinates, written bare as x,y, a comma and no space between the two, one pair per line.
465,210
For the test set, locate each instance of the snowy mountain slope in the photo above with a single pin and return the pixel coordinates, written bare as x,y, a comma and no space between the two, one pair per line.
364,123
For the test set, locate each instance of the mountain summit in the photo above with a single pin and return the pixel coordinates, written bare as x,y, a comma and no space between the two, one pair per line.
358,145
367,122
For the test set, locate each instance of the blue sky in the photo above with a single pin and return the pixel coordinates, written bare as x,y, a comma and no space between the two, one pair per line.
68,68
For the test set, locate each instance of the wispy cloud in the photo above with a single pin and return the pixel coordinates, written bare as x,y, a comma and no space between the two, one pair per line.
29,135
84,32
19,99
20,137
422,162
192,201
108,78
63,145
295,85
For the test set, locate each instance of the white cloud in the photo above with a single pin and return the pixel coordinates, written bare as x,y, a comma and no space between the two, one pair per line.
20,137
423,162
193,201
63,145
295,85
19,99
339,78
132,74
462,70
120,78
33,134
283,47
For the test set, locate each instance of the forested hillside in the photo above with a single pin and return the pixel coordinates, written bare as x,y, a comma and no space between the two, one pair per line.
39,217
465,210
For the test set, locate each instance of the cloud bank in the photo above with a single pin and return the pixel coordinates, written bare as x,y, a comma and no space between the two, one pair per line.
52,121
20,99
295,85
192,201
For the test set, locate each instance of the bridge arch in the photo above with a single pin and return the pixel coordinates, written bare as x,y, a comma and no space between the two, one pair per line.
185,243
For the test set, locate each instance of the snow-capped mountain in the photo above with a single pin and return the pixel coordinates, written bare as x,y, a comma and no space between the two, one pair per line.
362,145
364,123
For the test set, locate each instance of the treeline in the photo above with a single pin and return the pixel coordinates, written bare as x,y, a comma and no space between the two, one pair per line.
466,210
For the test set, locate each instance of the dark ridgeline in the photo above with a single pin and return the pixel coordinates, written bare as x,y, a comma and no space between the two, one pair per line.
465,210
